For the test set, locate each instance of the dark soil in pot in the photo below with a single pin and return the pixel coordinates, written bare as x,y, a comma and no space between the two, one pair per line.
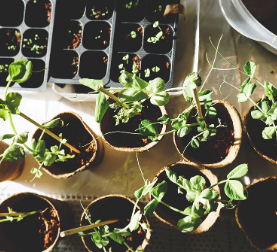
37,77
10,42
128,37
93,65
97,35
38,13
163,45
35,43
11,13
217,147
257,215
114,208
172,197
31,233
64,64
149,112
100,10
4,70
155,11
117,60
153,61
79,138
70,9
131,10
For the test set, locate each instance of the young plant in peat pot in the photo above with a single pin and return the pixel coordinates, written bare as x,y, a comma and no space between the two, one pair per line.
32,223
124,116
186,195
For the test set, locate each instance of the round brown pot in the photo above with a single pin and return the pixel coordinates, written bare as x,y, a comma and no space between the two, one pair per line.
257,217
179,201
113,206
227,111
55,169
256,139
27,202
9,170
108,121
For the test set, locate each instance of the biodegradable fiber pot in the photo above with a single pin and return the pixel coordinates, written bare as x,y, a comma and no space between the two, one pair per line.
229,115
9,170
24,236
116,206
128,142
179,201
78,134
266,148
257,217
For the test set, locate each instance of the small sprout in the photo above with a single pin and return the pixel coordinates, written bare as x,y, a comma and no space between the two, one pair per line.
156,24
133,34
156,69
23,45
147,72
134,68
69,31
120,66
126,57
35,1
101,31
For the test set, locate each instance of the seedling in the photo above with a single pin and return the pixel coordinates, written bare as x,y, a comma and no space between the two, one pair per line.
31,44
97,12
20,71
158,36
4,68
159,9
126,57
156,69
204,199
147,72
131,5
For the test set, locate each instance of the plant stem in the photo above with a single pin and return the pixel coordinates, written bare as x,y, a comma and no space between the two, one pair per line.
48,132
125,243
6,91
221,182
1,160
110,95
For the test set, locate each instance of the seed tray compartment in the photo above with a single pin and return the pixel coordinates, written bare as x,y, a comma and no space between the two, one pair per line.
26,33
99,55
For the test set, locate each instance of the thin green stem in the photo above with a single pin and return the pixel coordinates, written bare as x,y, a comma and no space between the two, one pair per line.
42,133
6,91
140,168
1,159
125,243
219,183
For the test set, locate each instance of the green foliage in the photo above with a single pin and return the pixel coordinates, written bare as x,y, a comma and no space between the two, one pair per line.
16,218
20,71
158,36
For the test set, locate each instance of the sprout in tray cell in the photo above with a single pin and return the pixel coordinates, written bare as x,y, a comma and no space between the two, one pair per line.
74,36
131,10
35,43
10,42
100,10
31,44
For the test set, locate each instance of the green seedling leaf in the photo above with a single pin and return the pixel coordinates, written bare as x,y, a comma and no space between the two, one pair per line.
195,143
131,95
188,224
21,138
205,96
241,97
250,68
187,211
52,124
157,85
172,175
184,183
13,101
40,148
134,222
238,172
49,160
198,183
265,106
192,78
212,112
14,153
144,226
101,107
6,136
147,128
132,81
207,194
160,99
4,112
156,24
197,212
234,190
257,114
144,190
268,132
164,119
37,172
20,71
270,91
151,207
160,190
122,232
91,83
183,131
247,87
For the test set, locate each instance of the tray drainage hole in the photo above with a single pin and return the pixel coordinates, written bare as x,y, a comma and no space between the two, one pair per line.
38,13
93,65
11,13
9,42
97,35
4,70
35,43
99,10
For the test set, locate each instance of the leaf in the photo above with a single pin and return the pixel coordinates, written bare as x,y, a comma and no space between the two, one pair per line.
187,211
121,232
238,172
186,184
20,71
101,107
212,112
6,136
270,91
131,95
13,101
241,97
40,148
247,87
268,132
14,153
205,95
52,124
191,196
160,99
234,190
91,83
49,160
164,119
192,78
157,85
197,212
250,68
194,143
256,114
134,222
132,81
172,175
151,207
184,131
160,190
206,194
4,112
148,128
188,224
144,190
37,172
265,106
21,138
198,182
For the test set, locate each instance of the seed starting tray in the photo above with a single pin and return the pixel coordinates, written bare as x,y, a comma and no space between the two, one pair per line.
93,58
26,33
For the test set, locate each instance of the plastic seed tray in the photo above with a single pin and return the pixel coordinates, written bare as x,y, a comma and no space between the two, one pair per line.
92,38
26,33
